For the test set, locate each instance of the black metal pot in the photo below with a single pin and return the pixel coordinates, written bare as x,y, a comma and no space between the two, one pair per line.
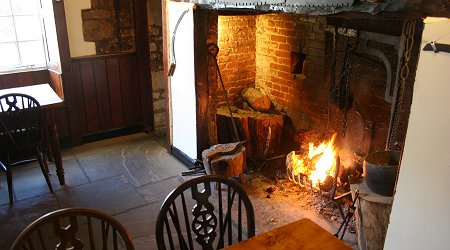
380,171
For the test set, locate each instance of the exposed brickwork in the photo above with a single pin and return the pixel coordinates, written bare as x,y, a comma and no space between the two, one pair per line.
236,40
111,33
306,97
277,36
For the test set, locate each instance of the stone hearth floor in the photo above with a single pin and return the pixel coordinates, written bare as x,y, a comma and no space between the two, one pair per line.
129,177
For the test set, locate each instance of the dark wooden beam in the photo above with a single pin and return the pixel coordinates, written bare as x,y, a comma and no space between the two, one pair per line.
165,37
202,22
432,8
143,61
66,74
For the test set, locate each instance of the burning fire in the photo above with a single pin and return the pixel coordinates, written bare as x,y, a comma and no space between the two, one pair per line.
319,163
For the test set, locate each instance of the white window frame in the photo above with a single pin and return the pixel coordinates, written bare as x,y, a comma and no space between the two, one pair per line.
22,67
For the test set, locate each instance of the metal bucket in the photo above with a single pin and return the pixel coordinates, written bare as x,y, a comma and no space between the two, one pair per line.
380,171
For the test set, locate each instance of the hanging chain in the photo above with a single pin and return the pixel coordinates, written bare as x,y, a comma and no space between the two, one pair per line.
404,74
346,75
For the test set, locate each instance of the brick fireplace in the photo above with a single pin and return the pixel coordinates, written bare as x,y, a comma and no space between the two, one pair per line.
289,58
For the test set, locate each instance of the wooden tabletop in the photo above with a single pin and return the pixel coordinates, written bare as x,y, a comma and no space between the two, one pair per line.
43,93
301,234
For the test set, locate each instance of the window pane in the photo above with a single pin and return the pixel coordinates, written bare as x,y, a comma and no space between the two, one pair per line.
24,7
28,28
9,57
32,53
7,29
5,8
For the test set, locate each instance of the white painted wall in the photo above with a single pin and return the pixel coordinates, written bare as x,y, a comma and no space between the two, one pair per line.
78,47
420,217
182,83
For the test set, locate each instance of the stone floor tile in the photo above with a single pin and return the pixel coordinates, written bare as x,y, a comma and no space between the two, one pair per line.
101,165
145,242
28,181
73,173
13,219
140,221
158,191
112,196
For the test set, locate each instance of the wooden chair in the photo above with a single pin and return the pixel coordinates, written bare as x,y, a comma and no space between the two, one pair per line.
208,212
74,228
20,135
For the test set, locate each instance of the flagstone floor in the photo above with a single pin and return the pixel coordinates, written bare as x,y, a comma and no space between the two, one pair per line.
129,177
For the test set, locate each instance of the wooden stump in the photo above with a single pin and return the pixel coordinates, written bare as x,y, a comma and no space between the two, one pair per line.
227,160
372,217
262,131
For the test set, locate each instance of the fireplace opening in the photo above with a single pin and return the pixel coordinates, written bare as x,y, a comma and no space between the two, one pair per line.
322,75
326,78
348,82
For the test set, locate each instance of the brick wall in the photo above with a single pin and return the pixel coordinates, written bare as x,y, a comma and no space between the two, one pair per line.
302,96
305,97
236,40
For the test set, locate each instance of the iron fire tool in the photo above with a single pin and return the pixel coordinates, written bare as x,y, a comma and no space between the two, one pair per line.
213,50
196,169
173,60
351,211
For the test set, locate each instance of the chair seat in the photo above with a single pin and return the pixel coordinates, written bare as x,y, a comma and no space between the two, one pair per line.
21,135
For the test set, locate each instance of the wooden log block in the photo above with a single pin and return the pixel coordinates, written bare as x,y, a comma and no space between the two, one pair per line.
261,130
372,217
256,99
266,135
225,159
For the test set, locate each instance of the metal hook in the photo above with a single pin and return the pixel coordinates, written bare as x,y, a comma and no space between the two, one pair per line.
433,46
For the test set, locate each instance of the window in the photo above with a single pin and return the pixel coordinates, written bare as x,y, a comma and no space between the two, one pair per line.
21,36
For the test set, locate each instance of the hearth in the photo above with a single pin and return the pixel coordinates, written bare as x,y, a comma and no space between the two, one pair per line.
322,74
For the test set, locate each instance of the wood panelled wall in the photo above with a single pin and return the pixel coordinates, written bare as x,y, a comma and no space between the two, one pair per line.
107,93
24,79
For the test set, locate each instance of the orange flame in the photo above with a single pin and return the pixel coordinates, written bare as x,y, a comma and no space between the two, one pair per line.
321,162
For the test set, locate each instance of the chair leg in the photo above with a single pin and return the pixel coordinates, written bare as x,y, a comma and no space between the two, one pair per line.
43,153
10,186
44,168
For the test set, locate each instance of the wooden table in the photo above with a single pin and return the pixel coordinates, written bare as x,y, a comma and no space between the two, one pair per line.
48,100
301,234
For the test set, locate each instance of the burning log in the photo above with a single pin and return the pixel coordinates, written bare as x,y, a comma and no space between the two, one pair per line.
316,165
327,184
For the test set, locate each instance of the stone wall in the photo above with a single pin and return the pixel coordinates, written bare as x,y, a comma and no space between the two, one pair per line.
156,65
111,30
236,40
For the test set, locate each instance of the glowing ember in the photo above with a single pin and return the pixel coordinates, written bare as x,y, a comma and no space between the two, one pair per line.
319,163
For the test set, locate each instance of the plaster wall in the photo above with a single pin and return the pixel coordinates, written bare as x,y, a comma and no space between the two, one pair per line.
78,47
182,83
420,217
